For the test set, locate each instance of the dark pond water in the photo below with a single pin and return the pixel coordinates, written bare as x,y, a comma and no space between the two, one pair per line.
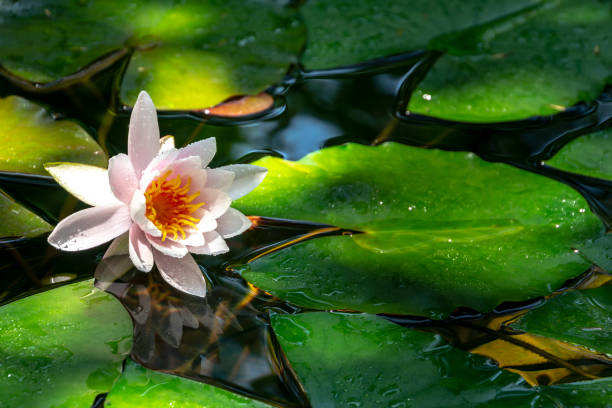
227,340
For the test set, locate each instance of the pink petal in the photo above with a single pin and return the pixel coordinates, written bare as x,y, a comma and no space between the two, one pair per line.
182,273
219,179
193,238
140,249
90,227
247,178
217,202
207,222
232,223
143,135
189,167
205,149
168,247
215,245
122,177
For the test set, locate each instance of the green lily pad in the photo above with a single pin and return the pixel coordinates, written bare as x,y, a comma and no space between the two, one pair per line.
190,54
441,230
139,386
61,348
535,64
18,221
346,360
581,317
599,252
590,155
29,137
346,32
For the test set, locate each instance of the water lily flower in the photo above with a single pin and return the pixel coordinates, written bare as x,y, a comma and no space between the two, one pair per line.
161,202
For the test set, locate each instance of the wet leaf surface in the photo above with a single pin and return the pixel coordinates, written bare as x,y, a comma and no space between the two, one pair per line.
138,386
346,360
590,155
439,229
563,58
62,347
579,317
189,55
347,32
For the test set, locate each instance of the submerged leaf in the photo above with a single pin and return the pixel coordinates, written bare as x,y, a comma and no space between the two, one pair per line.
440,230
188,54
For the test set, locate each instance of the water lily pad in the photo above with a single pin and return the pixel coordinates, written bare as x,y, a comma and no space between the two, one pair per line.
441,230
139,386
29,137
190,54
18,221
599,252
350,31
590,155
535,64
581,317
62,347
348,359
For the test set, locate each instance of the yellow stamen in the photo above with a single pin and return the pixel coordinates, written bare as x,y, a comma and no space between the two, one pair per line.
169,207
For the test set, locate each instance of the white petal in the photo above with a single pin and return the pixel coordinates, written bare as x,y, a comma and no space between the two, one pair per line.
87,183
154,169
232,223
90,227
205,149
194,238
182,273
143,134
168,247
119,246
138,208
122,178
207,222
166,143
247,178
140,249
219,179
216,201
215,245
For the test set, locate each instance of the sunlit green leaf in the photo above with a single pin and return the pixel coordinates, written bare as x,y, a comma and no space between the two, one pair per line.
590,155
139,386
441,230
190,54
29,137
61,348
347,359
18,221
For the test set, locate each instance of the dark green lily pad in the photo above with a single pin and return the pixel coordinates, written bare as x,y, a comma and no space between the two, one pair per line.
139,386
61,348
345,360
599,252
18,221
534,64
442,230
350,31
190,54
590,155
580,317
29,138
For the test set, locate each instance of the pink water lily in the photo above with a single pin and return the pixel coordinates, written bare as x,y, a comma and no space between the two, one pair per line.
161,202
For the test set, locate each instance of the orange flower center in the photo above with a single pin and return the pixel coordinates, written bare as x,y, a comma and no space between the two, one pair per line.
169,207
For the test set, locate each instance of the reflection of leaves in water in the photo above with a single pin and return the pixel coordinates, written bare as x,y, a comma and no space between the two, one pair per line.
539,360
223,339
